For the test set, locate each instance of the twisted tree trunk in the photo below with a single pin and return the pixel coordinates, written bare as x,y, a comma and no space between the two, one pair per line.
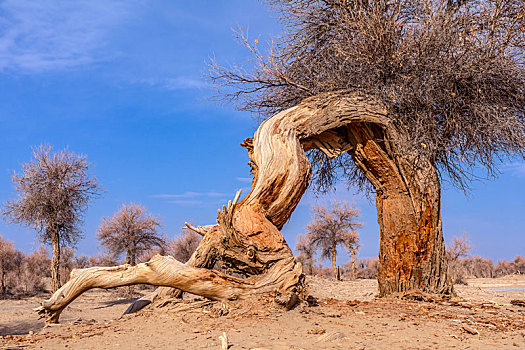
247,236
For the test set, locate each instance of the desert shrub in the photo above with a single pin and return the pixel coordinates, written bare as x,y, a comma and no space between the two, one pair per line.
103,259
367,268
35,272
322,271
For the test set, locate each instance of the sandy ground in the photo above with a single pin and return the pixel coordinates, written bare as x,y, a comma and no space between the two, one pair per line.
348,317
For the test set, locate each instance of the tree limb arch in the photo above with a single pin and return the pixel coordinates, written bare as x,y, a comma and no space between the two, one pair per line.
247,237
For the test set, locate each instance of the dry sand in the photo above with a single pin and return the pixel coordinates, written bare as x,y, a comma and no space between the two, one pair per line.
347,317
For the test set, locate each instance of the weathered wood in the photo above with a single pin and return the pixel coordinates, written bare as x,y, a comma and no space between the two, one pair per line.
167,271
247,237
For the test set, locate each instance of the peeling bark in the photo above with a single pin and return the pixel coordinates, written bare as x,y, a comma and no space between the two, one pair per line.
412,249
247,237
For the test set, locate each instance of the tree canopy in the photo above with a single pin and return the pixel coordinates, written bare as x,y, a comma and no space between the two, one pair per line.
131,230
450,73
53,190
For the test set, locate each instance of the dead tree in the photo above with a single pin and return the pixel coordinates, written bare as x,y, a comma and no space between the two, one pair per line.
53,192
449,76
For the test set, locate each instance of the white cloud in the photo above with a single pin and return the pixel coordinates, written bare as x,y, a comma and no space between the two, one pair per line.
216,194
182,195
176,83
186,202
56,34
188,194
517,169
244,179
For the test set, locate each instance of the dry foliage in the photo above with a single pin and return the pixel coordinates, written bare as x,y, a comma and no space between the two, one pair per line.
461,265
23,274
332,227
182,247
131,231
515,267
36,271
306,253
53,193
450,73
103,259
475,267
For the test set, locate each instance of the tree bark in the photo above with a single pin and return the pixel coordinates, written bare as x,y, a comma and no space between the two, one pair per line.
247,237
352,252
3,279
408,199
334,262
55,261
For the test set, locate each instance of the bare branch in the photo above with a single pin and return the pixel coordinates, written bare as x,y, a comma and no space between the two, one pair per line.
450,72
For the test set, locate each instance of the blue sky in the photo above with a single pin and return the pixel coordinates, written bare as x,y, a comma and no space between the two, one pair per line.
122,82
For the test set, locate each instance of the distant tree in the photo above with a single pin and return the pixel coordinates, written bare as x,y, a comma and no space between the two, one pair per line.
7,263
459,248
306,252
182,247
331,227
81,261
53,192
18,261
517,266
476,267
131,231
